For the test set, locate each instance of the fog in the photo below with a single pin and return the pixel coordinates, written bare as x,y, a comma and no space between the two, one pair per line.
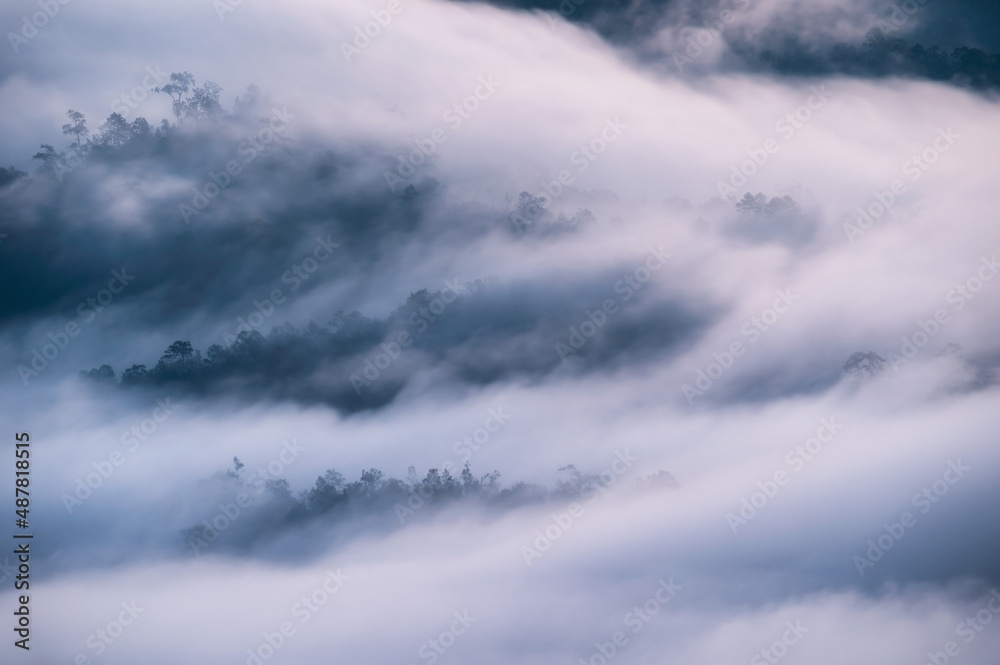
751,301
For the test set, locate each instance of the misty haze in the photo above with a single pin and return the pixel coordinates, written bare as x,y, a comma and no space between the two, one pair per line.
580,332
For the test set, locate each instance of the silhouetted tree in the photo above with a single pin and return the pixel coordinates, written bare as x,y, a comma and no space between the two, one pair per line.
48,157
864,365
104,373
77,126
470,484
237,468
140,129
327,492
178,352
758,205
249,105
752,205
180,360
216,355
115,133
134,375
180,84
204,102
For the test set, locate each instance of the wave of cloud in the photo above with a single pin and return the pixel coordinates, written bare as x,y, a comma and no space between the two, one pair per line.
672,272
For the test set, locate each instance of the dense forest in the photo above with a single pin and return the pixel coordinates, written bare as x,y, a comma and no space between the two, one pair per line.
256,508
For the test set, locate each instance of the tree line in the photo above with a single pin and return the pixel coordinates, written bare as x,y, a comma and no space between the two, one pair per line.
269,508
116,136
